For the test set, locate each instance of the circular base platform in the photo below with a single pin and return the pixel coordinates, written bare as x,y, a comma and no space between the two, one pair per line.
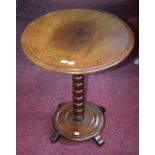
78,130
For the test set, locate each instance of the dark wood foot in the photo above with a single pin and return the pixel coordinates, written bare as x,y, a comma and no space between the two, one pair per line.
61,104
102,109
54,137
99,140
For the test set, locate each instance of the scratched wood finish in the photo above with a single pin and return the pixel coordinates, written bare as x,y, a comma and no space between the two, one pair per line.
77,41
89,127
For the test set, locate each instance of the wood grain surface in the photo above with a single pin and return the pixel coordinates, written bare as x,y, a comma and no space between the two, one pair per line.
89,127
78,97
77,41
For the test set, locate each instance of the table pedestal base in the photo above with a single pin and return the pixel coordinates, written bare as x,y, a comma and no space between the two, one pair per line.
89,127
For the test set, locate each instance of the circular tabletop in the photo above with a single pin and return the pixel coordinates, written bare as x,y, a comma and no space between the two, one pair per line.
77,41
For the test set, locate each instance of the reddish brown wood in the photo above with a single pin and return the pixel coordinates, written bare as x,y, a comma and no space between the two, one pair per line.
78,97
89,127
77,41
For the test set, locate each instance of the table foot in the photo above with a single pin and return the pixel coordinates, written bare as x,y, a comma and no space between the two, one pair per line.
102,109
99,140
54,137
60,105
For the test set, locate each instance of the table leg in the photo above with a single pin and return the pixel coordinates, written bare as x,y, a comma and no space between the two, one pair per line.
99,140
79,119
102,109
78,97
60,105
54,137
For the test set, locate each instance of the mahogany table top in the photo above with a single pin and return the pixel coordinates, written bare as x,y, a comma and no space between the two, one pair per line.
77,41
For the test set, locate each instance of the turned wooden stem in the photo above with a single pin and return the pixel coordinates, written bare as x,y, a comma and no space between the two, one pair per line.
78,97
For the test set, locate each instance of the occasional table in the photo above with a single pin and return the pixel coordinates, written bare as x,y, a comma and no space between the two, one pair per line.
77,42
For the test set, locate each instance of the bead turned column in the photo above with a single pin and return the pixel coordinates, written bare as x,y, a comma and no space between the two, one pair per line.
78,120
78,97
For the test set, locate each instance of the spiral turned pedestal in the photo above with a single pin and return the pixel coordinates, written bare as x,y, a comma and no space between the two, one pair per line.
78,120
78,97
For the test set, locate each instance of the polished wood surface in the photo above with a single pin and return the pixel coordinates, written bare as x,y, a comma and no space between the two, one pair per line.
78,97
89,127
77,41
78,120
